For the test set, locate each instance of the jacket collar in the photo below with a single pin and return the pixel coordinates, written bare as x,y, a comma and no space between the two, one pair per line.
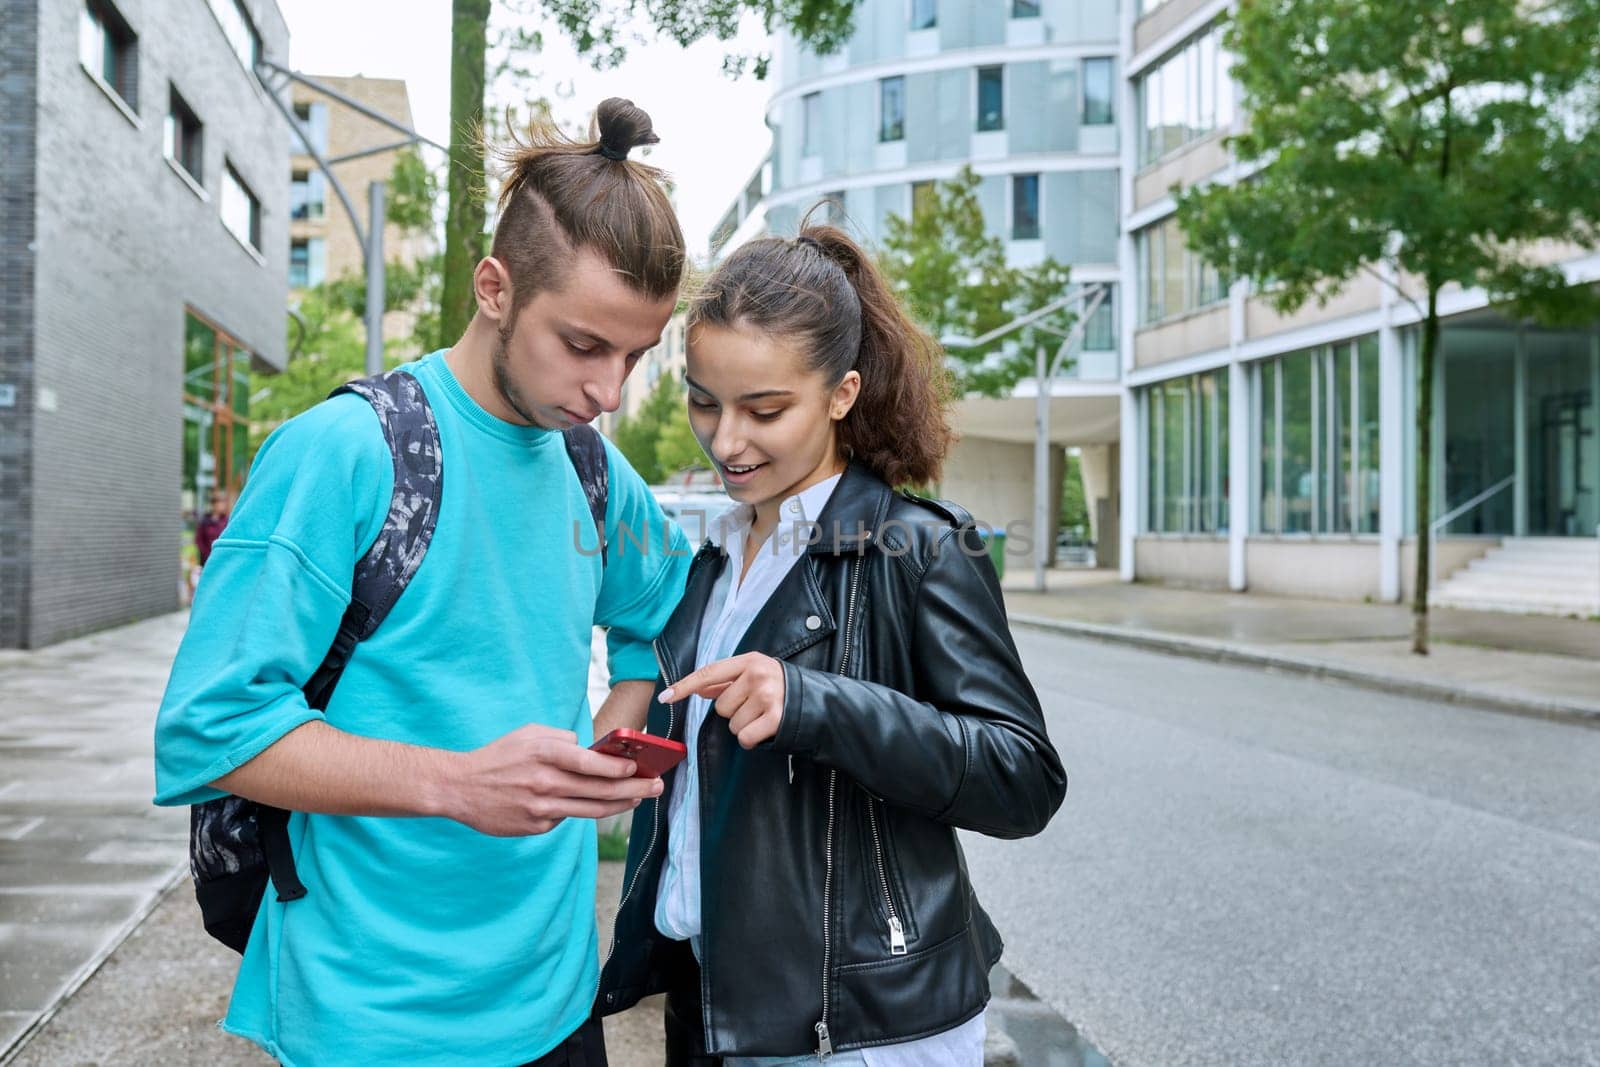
854,514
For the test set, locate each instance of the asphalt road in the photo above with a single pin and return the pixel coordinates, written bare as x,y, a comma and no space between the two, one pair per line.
1254,868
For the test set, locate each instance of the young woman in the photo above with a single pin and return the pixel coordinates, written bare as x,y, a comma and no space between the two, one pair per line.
843,674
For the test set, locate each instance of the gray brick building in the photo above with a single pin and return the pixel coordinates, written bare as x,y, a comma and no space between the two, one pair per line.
143,263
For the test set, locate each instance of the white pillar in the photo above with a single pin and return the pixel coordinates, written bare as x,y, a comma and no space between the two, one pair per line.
1240,460
1131,507
1391,461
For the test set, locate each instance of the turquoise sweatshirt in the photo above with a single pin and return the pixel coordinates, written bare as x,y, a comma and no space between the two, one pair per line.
420,941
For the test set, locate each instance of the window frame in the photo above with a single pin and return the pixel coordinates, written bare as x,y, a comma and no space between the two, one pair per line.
981,75
118,50
886,134
1109,63
178,143
1017,183
252,240
810,119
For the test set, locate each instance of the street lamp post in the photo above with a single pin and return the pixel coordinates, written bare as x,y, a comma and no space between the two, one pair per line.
1091,297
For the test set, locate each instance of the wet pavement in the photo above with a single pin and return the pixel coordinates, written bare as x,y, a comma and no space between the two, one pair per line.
83,855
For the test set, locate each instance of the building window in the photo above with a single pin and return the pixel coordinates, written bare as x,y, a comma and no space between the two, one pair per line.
181,139
892,109
1097,92
810,129
109,49
240,31
1186,454
241,211
833,208
1172,279
1100,333
991,98
1316,430
1186,96
307,194
924,197
1024,9
924,14
312,118
308,262
1024,207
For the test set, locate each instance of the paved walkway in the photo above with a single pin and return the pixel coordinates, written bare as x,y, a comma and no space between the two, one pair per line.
1531,664
102,956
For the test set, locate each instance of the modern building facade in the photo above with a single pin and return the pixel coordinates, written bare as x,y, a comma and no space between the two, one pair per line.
1023,91
322,244
1276,453
1224,445
143,257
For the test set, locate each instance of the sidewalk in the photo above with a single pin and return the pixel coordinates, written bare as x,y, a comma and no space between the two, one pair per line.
102,955
1528,664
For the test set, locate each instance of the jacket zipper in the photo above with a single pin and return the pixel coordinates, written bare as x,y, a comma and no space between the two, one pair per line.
897,932
824,1040
655,817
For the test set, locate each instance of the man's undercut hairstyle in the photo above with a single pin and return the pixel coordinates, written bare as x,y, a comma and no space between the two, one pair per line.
561,195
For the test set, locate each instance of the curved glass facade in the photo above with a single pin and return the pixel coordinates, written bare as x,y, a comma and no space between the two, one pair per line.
1023,91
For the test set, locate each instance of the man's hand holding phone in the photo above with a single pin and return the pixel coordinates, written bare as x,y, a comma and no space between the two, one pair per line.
532,778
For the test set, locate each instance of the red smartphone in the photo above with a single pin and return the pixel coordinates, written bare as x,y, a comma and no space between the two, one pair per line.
653,755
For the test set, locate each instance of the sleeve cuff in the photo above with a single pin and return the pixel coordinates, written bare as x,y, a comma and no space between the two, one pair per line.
630,660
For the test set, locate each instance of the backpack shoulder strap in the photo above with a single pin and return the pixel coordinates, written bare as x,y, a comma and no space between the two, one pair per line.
412,434
588,454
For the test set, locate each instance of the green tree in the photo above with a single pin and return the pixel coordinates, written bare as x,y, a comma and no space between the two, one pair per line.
464,242
952,274
1434,140
600,30
657,440
1074,507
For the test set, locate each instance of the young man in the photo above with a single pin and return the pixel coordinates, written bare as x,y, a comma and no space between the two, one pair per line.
443,800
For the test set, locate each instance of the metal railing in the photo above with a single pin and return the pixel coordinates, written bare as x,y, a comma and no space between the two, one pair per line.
1451,516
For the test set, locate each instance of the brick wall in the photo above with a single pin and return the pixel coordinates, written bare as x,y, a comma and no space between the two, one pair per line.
124,246
18,66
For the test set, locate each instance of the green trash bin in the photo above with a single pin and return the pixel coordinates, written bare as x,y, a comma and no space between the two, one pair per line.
996,540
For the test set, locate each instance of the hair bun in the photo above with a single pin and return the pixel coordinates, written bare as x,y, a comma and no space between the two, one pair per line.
622,127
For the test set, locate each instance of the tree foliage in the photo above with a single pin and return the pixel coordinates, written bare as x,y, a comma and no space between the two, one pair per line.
657,440
1429,142
952,274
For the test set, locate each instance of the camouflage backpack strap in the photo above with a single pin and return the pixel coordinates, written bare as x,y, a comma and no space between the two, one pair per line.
588,454
236,845
412,434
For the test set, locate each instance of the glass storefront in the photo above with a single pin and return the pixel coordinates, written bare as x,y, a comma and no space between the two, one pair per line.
1316,437
216,410
1186,447
1515,402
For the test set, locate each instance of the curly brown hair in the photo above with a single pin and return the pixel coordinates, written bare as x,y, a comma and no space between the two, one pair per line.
825,290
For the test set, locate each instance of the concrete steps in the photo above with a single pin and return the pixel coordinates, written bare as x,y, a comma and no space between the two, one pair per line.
1531,575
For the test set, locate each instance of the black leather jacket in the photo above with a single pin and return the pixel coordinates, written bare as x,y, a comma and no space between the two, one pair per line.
837,909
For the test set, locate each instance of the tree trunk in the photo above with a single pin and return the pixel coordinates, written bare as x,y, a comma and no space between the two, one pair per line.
464,223
1425,391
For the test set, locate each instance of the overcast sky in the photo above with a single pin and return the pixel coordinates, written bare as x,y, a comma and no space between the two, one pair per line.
711,128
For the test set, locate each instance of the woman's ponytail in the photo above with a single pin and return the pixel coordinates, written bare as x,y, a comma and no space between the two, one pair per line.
824,288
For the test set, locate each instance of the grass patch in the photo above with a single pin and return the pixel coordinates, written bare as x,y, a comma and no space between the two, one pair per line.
614,844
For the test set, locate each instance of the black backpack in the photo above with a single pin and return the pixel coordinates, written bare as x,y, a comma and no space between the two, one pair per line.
236,845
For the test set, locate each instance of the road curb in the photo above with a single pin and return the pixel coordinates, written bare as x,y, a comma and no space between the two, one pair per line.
1249,656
